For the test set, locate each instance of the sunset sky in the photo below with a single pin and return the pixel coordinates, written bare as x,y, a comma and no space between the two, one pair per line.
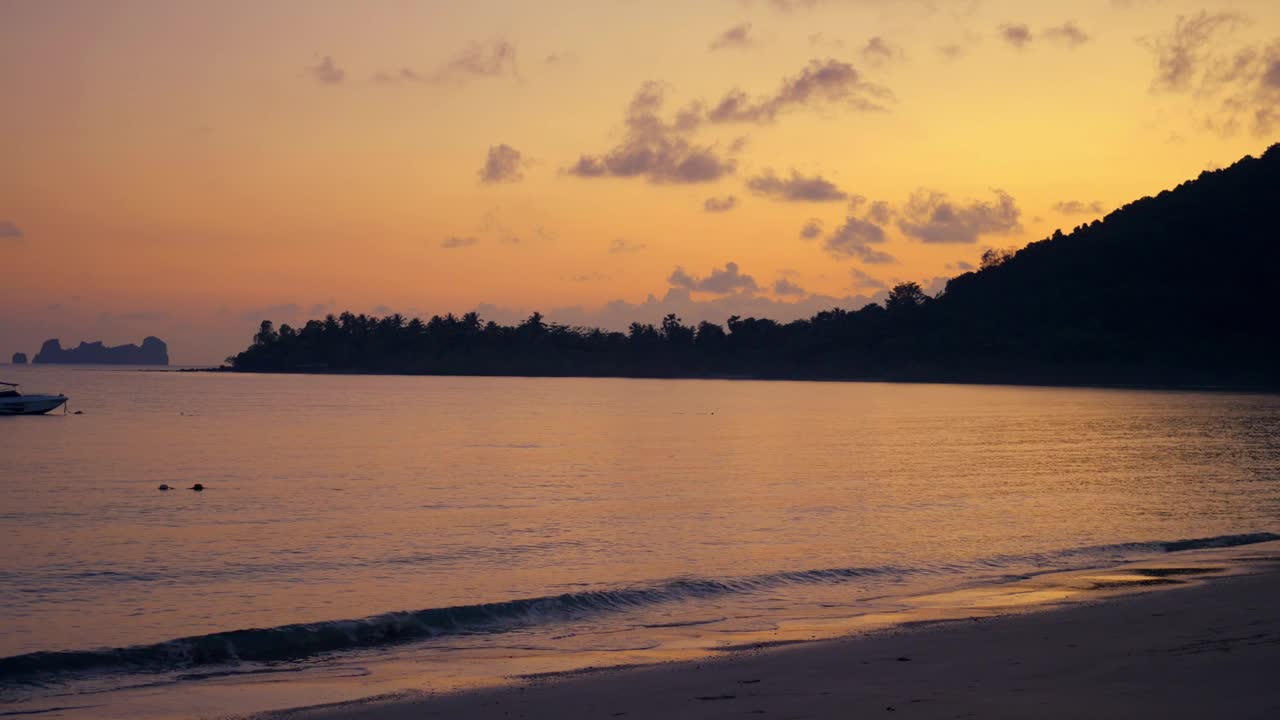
187,169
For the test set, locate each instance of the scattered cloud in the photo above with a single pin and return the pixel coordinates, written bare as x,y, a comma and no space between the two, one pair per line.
620,246
854,239
720,204
502,165
787,6
654,149
327,72
959,48
932,217
403,75
1068,34
927,7
1016,34
1249,87
821,40
811,229
718,282
855,231
961,265
560,58
796,188
820,82
1182,53
871,256
478,60
784,287
860,280
1241,86
493,223
737,37
1076,207
878,52
665,151
543,234
458,241
880,212
9,231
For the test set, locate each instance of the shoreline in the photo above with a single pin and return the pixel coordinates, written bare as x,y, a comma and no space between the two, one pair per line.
1228,387
1192,635
1266,389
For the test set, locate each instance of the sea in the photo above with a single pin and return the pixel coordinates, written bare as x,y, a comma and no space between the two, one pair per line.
370,535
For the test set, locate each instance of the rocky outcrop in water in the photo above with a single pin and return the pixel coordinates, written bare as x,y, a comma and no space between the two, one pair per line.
152,352
19,358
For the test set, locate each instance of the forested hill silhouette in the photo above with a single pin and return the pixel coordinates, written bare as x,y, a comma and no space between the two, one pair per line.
1172,289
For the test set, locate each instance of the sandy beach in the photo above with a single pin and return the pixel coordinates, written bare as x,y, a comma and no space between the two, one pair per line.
1180,643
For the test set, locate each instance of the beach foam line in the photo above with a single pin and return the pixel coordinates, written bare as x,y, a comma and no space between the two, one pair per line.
298,641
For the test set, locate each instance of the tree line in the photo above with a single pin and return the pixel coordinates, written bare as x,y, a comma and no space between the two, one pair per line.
1171,289
467,345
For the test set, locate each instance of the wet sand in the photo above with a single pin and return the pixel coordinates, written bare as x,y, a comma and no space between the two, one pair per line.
1153,640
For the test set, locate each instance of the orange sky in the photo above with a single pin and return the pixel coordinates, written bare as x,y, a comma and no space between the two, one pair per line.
187,169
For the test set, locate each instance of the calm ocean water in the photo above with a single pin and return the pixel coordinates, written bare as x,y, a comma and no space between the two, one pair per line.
372,533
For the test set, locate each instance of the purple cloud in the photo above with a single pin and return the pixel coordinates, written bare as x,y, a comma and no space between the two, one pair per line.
796,188
718,282
502,165
932,217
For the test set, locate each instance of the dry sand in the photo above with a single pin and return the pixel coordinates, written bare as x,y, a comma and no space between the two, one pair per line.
1193,650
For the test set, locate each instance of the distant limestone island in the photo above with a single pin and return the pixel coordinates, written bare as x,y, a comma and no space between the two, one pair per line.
1173,290
153,351
19,358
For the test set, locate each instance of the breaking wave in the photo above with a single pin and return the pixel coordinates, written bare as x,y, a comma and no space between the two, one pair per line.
299,641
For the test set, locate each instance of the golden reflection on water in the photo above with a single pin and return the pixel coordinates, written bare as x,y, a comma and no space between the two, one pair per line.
343,497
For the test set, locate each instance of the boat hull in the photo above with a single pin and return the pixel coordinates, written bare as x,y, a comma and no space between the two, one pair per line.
31,404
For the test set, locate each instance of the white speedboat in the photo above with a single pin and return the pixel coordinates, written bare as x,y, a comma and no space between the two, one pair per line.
13,402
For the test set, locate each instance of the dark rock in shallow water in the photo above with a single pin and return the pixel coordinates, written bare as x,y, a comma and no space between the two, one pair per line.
19,358
164,487
153,351
197,487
